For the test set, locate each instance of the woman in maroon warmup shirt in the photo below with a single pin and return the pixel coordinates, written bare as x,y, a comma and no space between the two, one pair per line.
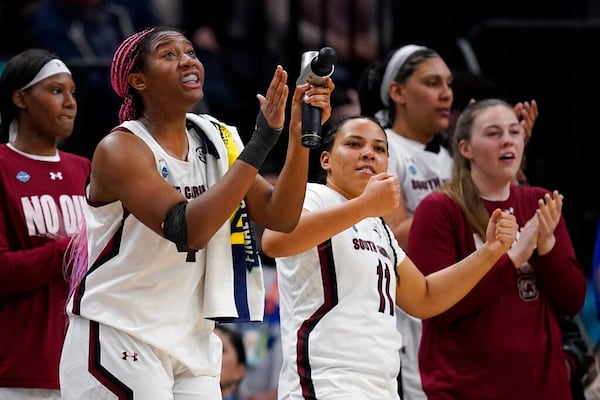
41,197
501,341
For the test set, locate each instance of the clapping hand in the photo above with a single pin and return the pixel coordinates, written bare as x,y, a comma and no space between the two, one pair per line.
548,213
527,112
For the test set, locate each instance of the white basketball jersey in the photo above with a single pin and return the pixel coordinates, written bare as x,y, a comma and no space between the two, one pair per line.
138,282
419,171
338,321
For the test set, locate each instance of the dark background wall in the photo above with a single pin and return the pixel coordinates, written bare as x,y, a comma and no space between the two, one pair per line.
556,63
540,50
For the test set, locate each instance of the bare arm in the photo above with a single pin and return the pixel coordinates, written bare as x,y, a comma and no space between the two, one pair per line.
123,168
427,296
379,197
399,223
279,208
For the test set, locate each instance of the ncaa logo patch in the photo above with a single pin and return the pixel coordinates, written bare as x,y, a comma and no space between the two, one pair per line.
23,176
162,167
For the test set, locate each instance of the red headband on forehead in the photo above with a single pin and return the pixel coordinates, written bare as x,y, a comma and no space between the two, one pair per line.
125,58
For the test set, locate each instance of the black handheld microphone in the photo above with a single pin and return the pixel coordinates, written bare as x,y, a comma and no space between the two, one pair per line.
315,68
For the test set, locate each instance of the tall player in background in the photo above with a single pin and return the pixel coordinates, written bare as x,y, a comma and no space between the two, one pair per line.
41,201
410,92
341,272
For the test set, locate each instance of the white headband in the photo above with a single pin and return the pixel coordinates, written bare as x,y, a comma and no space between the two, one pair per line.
52,67
393,66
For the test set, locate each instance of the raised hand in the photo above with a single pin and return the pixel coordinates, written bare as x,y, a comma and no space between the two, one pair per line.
273,105
318,96
527,112
501,230
548,213
526,242
381,195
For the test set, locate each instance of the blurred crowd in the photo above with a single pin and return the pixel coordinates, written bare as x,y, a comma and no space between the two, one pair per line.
239,43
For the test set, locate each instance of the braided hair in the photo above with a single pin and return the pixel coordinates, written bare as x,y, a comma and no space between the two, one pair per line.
129,58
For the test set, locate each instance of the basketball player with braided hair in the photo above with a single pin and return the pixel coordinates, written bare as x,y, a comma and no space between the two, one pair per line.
168,228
